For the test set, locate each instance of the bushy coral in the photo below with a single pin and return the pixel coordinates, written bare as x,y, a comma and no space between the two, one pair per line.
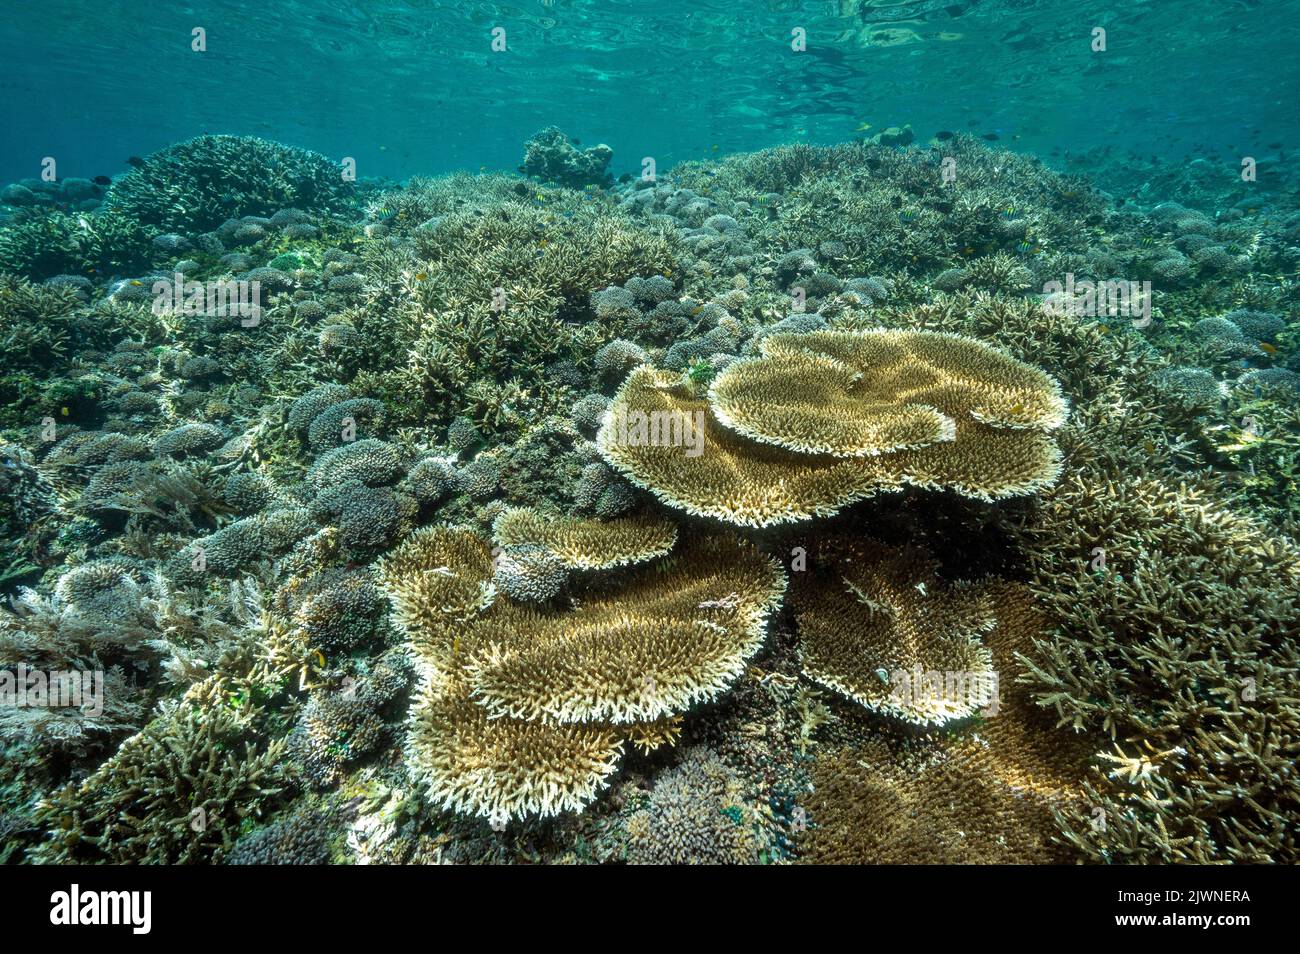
198,184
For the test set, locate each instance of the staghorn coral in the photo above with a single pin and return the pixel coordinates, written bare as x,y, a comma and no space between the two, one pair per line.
175,793
887,633
1182,646
587,544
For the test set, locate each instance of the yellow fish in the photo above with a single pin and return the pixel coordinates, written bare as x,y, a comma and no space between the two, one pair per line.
863,128
420,276
1017,409
1267,348
136,282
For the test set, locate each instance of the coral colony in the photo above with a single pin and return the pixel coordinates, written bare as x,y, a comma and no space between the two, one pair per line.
906,500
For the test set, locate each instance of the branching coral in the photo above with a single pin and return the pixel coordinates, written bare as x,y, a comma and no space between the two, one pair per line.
175,793
1179,639
198,184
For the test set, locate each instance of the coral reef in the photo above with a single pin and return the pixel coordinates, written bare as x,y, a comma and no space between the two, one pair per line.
473,545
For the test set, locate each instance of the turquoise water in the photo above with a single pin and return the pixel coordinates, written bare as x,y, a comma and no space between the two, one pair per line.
415,87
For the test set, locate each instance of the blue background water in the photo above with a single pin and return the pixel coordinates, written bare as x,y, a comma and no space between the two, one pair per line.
414,87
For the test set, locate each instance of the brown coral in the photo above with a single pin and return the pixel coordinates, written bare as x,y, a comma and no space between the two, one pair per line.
587,544
858,394
436,578
887,633
526,711
651,647
986,795
923,409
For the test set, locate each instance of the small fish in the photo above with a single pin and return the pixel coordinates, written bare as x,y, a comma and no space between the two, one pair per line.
421,276
1149,446
102,180
943,135
543,243
1017,409
1146,240
135,161
1104,329
136,282
383,148
64,410
384,214
907,216
1028,248
1267,348
863,127
715,147
991,137
1010,212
